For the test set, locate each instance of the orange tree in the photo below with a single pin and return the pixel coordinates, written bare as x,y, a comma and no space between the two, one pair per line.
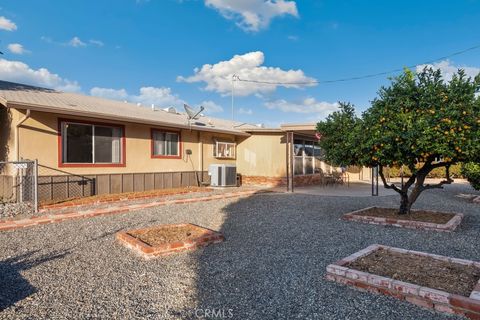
419,121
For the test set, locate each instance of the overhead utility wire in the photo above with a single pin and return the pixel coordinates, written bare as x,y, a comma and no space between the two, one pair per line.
358,77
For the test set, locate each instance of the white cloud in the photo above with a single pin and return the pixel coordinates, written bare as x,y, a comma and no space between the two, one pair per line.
248,66
47,39
253,15
16,48
76,42
211,107
245,111
308,105
293,38
97,43
17,71
159,96
6,24
108,93
448,69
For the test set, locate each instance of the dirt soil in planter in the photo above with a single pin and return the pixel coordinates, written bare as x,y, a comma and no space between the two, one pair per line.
415,215
166,234
423,271
125,196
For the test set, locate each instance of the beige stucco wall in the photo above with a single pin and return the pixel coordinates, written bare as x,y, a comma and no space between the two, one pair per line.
262,154
39,140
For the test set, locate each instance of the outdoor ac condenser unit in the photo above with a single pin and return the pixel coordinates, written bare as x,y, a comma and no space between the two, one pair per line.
222,175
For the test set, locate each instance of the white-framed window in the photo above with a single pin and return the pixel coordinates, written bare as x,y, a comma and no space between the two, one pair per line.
165,144
307,155
85,143
224,150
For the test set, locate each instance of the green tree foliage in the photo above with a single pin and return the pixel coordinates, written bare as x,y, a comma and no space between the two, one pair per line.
419,121
471,171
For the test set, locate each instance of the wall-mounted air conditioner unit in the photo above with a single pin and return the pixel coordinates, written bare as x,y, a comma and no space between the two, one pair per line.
222,175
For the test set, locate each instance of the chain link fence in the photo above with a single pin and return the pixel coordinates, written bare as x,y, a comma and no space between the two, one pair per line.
18,187
59,185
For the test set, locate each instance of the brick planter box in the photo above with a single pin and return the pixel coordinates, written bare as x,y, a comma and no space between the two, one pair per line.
411,224
422,296
147,251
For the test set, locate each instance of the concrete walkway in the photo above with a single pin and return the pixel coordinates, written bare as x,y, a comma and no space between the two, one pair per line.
357,188
354,189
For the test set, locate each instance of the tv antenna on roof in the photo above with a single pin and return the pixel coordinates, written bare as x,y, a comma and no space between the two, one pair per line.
192,113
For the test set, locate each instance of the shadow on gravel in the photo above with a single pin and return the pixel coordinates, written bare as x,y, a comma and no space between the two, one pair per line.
258,272
13,286
272,263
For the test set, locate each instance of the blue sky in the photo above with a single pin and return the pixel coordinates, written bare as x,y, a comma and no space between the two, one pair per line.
147,51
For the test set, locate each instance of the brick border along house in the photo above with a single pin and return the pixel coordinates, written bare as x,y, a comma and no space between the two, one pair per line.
87,145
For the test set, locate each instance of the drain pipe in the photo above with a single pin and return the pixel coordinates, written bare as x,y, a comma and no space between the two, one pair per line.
17,135
200,157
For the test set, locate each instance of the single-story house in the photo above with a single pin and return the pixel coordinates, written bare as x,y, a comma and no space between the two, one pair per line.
88,145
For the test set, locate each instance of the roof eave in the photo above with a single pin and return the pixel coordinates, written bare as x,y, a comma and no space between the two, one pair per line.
42,108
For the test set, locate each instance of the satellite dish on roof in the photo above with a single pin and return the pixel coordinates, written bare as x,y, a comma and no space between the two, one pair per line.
192,113
170,110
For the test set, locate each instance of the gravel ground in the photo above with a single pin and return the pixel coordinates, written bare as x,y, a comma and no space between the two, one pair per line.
10,210
271,266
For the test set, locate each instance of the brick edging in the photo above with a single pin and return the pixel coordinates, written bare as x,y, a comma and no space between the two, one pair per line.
54,218
147,251
116,198
410,224
422,296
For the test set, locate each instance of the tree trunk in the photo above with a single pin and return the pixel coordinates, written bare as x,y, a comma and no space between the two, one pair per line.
407,200
405,204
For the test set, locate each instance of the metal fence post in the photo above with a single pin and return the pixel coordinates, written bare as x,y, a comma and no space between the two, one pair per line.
35,185
375,181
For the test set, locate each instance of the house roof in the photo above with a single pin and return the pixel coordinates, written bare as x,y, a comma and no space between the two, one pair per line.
15,95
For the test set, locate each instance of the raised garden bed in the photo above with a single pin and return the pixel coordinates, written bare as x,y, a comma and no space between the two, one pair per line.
437,282
418,219
167,239
50,204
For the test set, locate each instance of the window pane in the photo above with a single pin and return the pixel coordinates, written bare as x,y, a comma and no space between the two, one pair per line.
318,151
107,145
230,150
309,165
309,148
172,139
298,166
224,150
165,144
158,143
77,143
221,150
298,147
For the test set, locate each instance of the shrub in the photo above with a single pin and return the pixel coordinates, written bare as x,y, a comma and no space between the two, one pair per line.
439,173
471,171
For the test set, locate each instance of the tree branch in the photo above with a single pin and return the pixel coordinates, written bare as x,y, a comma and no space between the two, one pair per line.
437,186
385,183
448,180
440,164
